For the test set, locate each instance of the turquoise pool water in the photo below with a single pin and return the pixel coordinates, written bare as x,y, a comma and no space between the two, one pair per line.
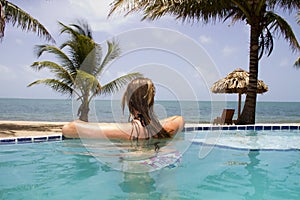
67,170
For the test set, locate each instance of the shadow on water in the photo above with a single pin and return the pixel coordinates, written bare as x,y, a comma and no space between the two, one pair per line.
257,176
138,185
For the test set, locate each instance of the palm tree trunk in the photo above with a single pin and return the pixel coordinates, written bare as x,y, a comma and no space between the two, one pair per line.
84,110
239,105
248,113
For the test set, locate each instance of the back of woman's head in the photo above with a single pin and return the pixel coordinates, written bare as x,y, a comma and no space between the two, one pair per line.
139,97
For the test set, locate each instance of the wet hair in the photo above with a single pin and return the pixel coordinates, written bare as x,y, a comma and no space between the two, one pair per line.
139,97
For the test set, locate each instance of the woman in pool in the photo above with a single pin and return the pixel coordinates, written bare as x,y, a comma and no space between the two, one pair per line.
139,97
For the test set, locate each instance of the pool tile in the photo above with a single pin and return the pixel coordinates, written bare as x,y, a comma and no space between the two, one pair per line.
187,129
274,128
258,128
293,127
54,138
7,141
241,128
250,127
224,128
267,128
285,127
206,128
215,128
199,128
232,128
24,140
40,139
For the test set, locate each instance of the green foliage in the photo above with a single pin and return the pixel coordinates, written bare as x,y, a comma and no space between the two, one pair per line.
10,13
221,10
258,14
80,64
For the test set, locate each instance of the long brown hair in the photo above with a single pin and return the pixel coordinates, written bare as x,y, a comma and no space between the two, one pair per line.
139,97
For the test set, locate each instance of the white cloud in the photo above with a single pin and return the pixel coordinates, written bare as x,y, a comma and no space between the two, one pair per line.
205,39
96,13
228,51
284,63
6,73
19,41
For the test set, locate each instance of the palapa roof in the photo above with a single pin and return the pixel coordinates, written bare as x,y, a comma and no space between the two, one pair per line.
237,82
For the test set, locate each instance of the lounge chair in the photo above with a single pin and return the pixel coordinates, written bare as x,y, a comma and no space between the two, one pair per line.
226,117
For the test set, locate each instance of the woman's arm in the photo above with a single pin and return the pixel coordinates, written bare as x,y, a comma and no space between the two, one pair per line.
80,129
173,124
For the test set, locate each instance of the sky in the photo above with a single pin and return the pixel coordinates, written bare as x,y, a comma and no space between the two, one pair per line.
183,59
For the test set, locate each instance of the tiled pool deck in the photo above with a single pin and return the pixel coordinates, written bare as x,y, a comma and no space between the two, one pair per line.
187,128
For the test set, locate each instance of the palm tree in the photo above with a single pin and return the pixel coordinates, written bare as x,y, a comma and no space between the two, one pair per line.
77,71
258,14
297,63
10,13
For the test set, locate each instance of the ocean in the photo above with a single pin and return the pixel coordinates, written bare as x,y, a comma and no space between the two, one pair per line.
60,110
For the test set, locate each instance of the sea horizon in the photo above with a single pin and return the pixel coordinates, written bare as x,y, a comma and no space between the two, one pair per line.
64,110
267,101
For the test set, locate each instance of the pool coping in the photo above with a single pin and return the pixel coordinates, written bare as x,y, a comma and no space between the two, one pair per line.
187,128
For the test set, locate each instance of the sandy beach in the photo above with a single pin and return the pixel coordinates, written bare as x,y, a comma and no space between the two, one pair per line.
29,128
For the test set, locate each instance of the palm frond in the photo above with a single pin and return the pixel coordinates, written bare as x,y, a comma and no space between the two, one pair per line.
297,63
56,85
67,29
281,27
80,45
181,10
241,8
91,61
118,83
63,58
86,83
113,51
236,15
83,28
124,6
285,5
77,51
60,72
266,43
18,17
2,20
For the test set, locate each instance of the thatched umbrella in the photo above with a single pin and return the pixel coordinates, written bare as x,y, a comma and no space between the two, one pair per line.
237,82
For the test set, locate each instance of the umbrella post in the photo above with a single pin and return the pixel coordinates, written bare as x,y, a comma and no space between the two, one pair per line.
239,105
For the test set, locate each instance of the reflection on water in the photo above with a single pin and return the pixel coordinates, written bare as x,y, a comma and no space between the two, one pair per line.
256,175
273,175
66,170
136,156
137,183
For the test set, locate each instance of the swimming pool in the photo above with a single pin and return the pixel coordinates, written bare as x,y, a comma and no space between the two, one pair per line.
67,170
